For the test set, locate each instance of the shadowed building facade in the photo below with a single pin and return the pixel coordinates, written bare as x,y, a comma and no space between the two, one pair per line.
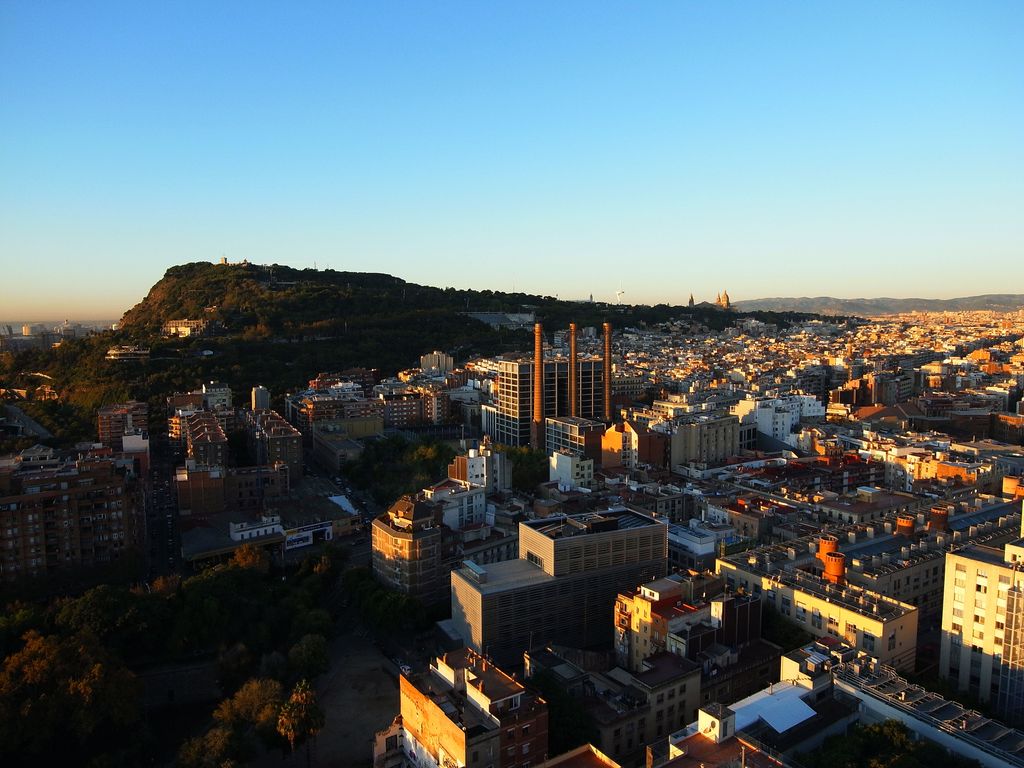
563,586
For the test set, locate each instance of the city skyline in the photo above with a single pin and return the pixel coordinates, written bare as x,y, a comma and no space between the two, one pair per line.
823,150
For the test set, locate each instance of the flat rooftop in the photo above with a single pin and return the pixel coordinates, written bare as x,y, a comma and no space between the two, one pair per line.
505,575
862,601
858,506
885,684
587,756
663,667
489,679
982,554
963,522
590,522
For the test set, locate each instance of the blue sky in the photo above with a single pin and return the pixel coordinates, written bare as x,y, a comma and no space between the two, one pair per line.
850,149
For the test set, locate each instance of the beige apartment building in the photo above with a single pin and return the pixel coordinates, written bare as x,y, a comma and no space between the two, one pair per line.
705,439
563,586
983,625
464,712
882,626
645,616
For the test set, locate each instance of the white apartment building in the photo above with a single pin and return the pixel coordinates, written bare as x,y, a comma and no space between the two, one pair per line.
570,470
462,503
779,417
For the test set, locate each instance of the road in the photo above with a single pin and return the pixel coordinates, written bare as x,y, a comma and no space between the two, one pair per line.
162,529
163,534
27,424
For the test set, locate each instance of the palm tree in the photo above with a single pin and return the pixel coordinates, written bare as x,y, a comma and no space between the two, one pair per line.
300,717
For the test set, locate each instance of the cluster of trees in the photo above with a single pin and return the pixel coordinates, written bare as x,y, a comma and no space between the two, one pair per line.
68,422
391,466
64,696
383,610
882,745
67,687
529,467
257,717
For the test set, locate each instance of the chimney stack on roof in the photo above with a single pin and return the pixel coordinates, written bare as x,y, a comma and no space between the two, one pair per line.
835,567
905,525
938,519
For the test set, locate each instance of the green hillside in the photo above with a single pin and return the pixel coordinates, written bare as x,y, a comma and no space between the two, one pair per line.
280,326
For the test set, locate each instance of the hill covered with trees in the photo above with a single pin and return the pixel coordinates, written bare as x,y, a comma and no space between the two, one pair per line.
279,326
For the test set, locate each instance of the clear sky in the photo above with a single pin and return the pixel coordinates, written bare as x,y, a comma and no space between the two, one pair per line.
797,148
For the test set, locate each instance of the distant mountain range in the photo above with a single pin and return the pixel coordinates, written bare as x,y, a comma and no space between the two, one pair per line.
829,305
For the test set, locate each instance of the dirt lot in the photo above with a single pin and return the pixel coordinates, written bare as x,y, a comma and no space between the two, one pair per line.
359,696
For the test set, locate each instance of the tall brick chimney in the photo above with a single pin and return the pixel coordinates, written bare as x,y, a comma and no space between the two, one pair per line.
537,425
608,373
573,385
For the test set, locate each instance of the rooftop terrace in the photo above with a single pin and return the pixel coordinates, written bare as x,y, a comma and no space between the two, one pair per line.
883,683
